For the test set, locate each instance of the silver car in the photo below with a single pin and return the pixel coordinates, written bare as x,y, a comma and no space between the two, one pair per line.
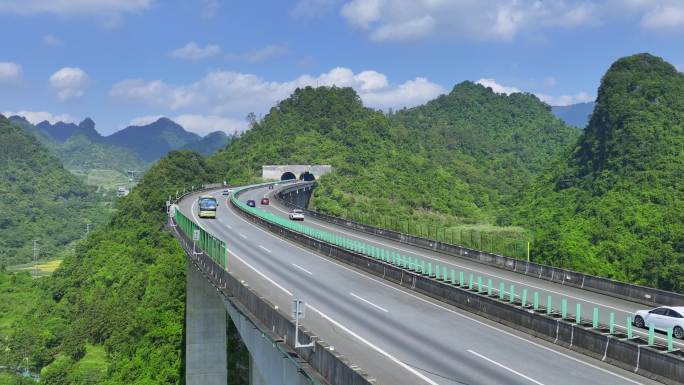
662,318
297,215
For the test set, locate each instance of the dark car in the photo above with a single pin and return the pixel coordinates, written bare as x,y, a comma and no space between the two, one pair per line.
251,203
270,187
265,201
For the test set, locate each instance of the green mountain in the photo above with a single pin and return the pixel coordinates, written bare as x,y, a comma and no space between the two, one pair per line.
209,144
152,141
454,162
615,207
576,115
39,199
61,131
113,313
492,142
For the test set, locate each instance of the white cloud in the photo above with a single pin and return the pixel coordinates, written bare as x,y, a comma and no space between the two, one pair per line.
35,117
560,100
52,41
566,100
408,94
496,87
407,30
665,17
192,51
73,7
69,83
480,20
363,12
502,20
261,54
10,72
234,94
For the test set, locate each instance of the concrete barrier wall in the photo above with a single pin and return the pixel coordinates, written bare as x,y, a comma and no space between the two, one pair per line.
320,364
625,353
642,294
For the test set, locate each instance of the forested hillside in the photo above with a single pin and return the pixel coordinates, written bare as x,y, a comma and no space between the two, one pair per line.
453,162
39,199
113,313
209,144
493,142
615,207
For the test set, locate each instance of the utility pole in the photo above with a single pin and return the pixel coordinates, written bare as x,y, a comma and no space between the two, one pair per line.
35,258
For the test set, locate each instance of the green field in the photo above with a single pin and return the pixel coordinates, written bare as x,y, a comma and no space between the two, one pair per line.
102,178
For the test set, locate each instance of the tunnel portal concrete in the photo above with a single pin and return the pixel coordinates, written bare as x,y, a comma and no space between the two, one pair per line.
294,171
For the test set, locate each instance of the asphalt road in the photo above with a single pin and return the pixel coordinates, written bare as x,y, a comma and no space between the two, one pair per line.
588,300
397,336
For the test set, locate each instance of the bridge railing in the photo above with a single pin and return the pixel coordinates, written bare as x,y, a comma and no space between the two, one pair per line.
559,326
636,293
321,365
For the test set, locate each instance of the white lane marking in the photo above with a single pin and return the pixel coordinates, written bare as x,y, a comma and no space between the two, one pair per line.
442,307
505,367
302,269
242,235
229,226
250,266
265,249
638,332
369,302
377,349
339,325
318,223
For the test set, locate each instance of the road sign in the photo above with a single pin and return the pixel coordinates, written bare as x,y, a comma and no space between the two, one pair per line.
298,309
196,235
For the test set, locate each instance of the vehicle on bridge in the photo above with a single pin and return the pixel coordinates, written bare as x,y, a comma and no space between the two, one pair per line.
265,201
207,206
227,192
251,203
662,318
296,215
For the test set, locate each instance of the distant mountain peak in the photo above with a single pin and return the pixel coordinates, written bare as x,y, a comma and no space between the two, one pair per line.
87,123
638,106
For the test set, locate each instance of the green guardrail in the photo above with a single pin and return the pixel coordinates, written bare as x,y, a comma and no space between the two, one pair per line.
421,266
203,241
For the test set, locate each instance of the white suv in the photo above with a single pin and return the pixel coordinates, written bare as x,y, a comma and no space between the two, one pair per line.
662,318
296,215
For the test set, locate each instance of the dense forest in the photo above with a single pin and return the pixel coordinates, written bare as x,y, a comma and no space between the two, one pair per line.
454,162
113,313
39,199
615,207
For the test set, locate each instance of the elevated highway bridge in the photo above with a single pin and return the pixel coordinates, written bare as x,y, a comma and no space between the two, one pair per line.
398,335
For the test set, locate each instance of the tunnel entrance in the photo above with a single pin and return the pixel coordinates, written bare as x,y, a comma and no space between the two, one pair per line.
288,176
307,176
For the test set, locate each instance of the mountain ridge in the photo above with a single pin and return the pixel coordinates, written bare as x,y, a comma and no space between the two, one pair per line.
615,206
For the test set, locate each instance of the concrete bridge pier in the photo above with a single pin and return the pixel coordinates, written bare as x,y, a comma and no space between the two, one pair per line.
205,342
268,365
205,332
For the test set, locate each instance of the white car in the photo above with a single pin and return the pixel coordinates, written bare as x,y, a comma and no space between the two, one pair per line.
662,318
296,215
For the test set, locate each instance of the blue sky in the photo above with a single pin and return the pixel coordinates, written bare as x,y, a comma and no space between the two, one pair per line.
207,63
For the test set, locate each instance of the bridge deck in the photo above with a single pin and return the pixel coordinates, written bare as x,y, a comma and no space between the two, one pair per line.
399,337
